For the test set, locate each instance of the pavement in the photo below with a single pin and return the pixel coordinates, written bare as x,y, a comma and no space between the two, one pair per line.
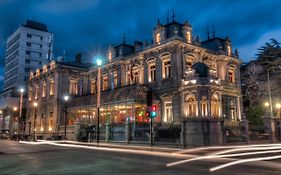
67,157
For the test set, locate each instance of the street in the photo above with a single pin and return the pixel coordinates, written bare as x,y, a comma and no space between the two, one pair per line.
20,158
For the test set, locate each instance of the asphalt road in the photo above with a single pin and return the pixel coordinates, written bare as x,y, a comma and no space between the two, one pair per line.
22,159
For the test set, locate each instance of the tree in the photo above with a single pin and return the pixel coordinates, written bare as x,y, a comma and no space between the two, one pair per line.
270,51
254,115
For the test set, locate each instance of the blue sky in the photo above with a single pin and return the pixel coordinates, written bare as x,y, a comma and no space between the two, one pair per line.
89,26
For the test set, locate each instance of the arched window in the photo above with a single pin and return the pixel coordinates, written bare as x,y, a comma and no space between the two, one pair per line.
189,62
231,74
204,107
191,106
215,106
188,37
158,38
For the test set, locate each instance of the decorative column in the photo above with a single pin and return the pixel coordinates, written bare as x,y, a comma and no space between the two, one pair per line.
244,123
269,126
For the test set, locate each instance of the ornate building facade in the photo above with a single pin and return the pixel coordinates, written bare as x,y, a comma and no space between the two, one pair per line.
194,83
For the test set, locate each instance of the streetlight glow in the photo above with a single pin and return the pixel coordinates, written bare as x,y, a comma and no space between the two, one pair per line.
266,104
278,105
99,62
35,104
66,97
15,108
21,90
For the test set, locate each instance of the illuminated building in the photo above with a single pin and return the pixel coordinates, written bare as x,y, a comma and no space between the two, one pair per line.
194,84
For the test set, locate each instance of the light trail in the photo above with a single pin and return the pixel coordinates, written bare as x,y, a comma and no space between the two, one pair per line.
224,147
247,149
133,151
243,161
221,156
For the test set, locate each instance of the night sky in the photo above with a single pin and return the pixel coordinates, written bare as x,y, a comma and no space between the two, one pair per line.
89,26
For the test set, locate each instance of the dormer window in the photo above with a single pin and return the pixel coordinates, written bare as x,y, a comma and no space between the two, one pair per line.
231,75
228,50
188,37
73,87
158,38
109,56
105,82
115,79
52,65
45,69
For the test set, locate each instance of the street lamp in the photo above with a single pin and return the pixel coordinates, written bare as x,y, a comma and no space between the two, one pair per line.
99,63
35,104
66,98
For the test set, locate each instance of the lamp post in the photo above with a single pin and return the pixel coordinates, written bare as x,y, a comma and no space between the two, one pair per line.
99,63
14,119
66,98
35,104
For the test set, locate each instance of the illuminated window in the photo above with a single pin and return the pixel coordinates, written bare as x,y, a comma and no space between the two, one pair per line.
37,72
128,78
52,65
50,125
36,92
136,78
204,107
158,38
110,56
115,79
52,87
105,82
73,87
152,73
29,94
231,75
168,109
166,69
191,107
93,86
45,69
228,50
44,89
188,37
215,106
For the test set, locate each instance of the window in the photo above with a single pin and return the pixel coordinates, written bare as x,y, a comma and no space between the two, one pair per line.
51,114
136,77
158,38
50,125
27,52
129,77
215,106
73,87
52,87
105,82
27,61
152,73
28,35
41,126
168,110
43,115
44,89
115,79
28,44
93,86
36,92
191,107
188,37
204,108
166,69
231,75
228,50
29,94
